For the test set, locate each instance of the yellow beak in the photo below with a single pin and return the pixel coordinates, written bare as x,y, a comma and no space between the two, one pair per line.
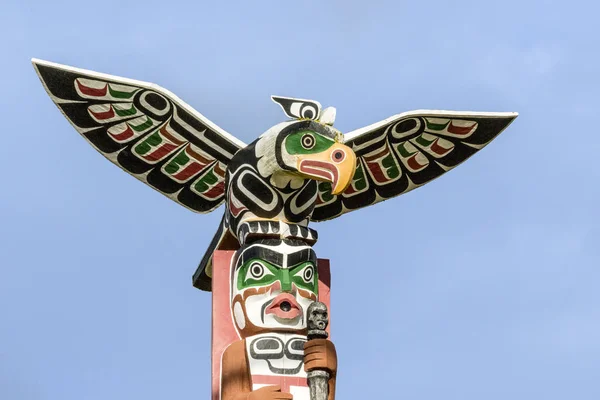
335,165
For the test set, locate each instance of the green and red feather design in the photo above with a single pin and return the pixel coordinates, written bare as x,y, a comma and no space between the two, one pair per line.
147,131
404,152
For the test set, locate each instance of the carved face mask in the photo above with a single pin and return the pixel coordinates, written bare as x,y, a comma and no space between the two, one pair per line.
273,283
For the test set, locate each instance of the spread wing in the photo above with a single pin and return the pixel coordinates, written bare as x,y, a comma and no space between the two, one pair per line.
408,150
147,131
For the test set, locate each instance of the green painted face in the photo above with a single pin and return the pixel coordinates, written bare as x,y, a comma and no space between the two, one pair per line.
273,284
256,272
307,142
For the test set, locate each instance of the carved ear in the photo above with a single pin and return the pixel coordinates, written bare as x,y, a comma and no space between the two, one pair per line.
328,116
299,108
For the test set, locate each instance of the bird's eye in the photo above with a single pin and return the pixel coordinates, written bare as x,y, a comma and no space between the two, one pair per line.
308,141
299,108
308,111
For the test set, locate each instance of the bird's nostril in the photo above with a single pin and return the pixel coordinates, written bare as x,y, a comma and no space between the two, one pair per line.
338,155
285,306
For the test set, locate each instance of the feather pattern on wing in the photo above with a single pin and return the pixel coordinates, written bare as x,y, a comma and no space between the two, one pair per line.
406,151
147,131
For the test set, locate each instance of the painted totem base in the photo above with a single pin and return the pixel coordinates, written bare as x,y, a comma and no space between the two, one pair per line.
224,332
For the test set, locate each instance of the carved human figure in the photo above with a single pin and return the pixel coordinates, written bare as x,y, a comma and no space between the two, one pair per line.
273,284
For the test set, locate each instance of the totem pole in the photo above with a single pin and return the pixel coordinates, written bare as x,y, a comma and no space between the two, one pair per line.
270,292
262,295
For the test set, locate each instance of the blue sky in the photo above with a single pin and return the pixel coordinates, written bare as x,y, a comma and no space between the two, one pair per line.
480,285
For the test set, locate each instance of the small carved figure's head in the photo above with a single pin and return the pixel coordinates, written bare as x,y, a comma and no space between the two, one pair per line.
317,318
273,284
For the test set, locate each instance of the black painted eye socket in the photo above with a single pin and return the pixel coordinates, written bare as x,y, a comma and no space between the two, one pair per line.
257,270
338,156
308,141
308,111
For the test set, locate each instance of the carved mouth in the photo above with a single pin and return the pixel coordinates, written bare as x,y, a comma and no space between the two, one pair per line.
320,170
284,306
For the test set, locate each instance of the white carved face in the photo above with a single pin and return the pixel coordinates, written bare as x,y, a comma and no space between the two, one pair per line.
273,284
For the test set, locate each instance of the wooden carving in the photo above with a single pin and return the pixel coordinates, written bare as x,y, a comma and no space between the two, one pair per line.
298,171
261,300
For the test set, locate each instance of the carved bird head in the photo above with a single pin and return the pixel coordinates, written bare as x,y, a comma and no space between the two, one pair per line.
307,147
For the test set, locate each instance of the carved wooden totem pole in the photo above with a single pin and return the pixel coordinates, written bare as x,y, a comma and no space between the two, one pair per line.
270,291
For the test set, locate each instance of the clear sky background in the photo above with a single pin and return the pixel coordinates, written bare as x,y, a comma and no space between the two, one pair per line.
483,284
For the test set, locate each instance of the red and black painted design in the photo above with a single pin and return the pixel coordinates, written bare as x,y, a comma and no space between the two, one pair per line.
147,131
297,171
403,153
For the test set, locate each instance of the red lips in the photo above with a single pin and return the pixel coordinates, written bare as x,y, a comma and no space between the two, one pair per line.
284,306
320,169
